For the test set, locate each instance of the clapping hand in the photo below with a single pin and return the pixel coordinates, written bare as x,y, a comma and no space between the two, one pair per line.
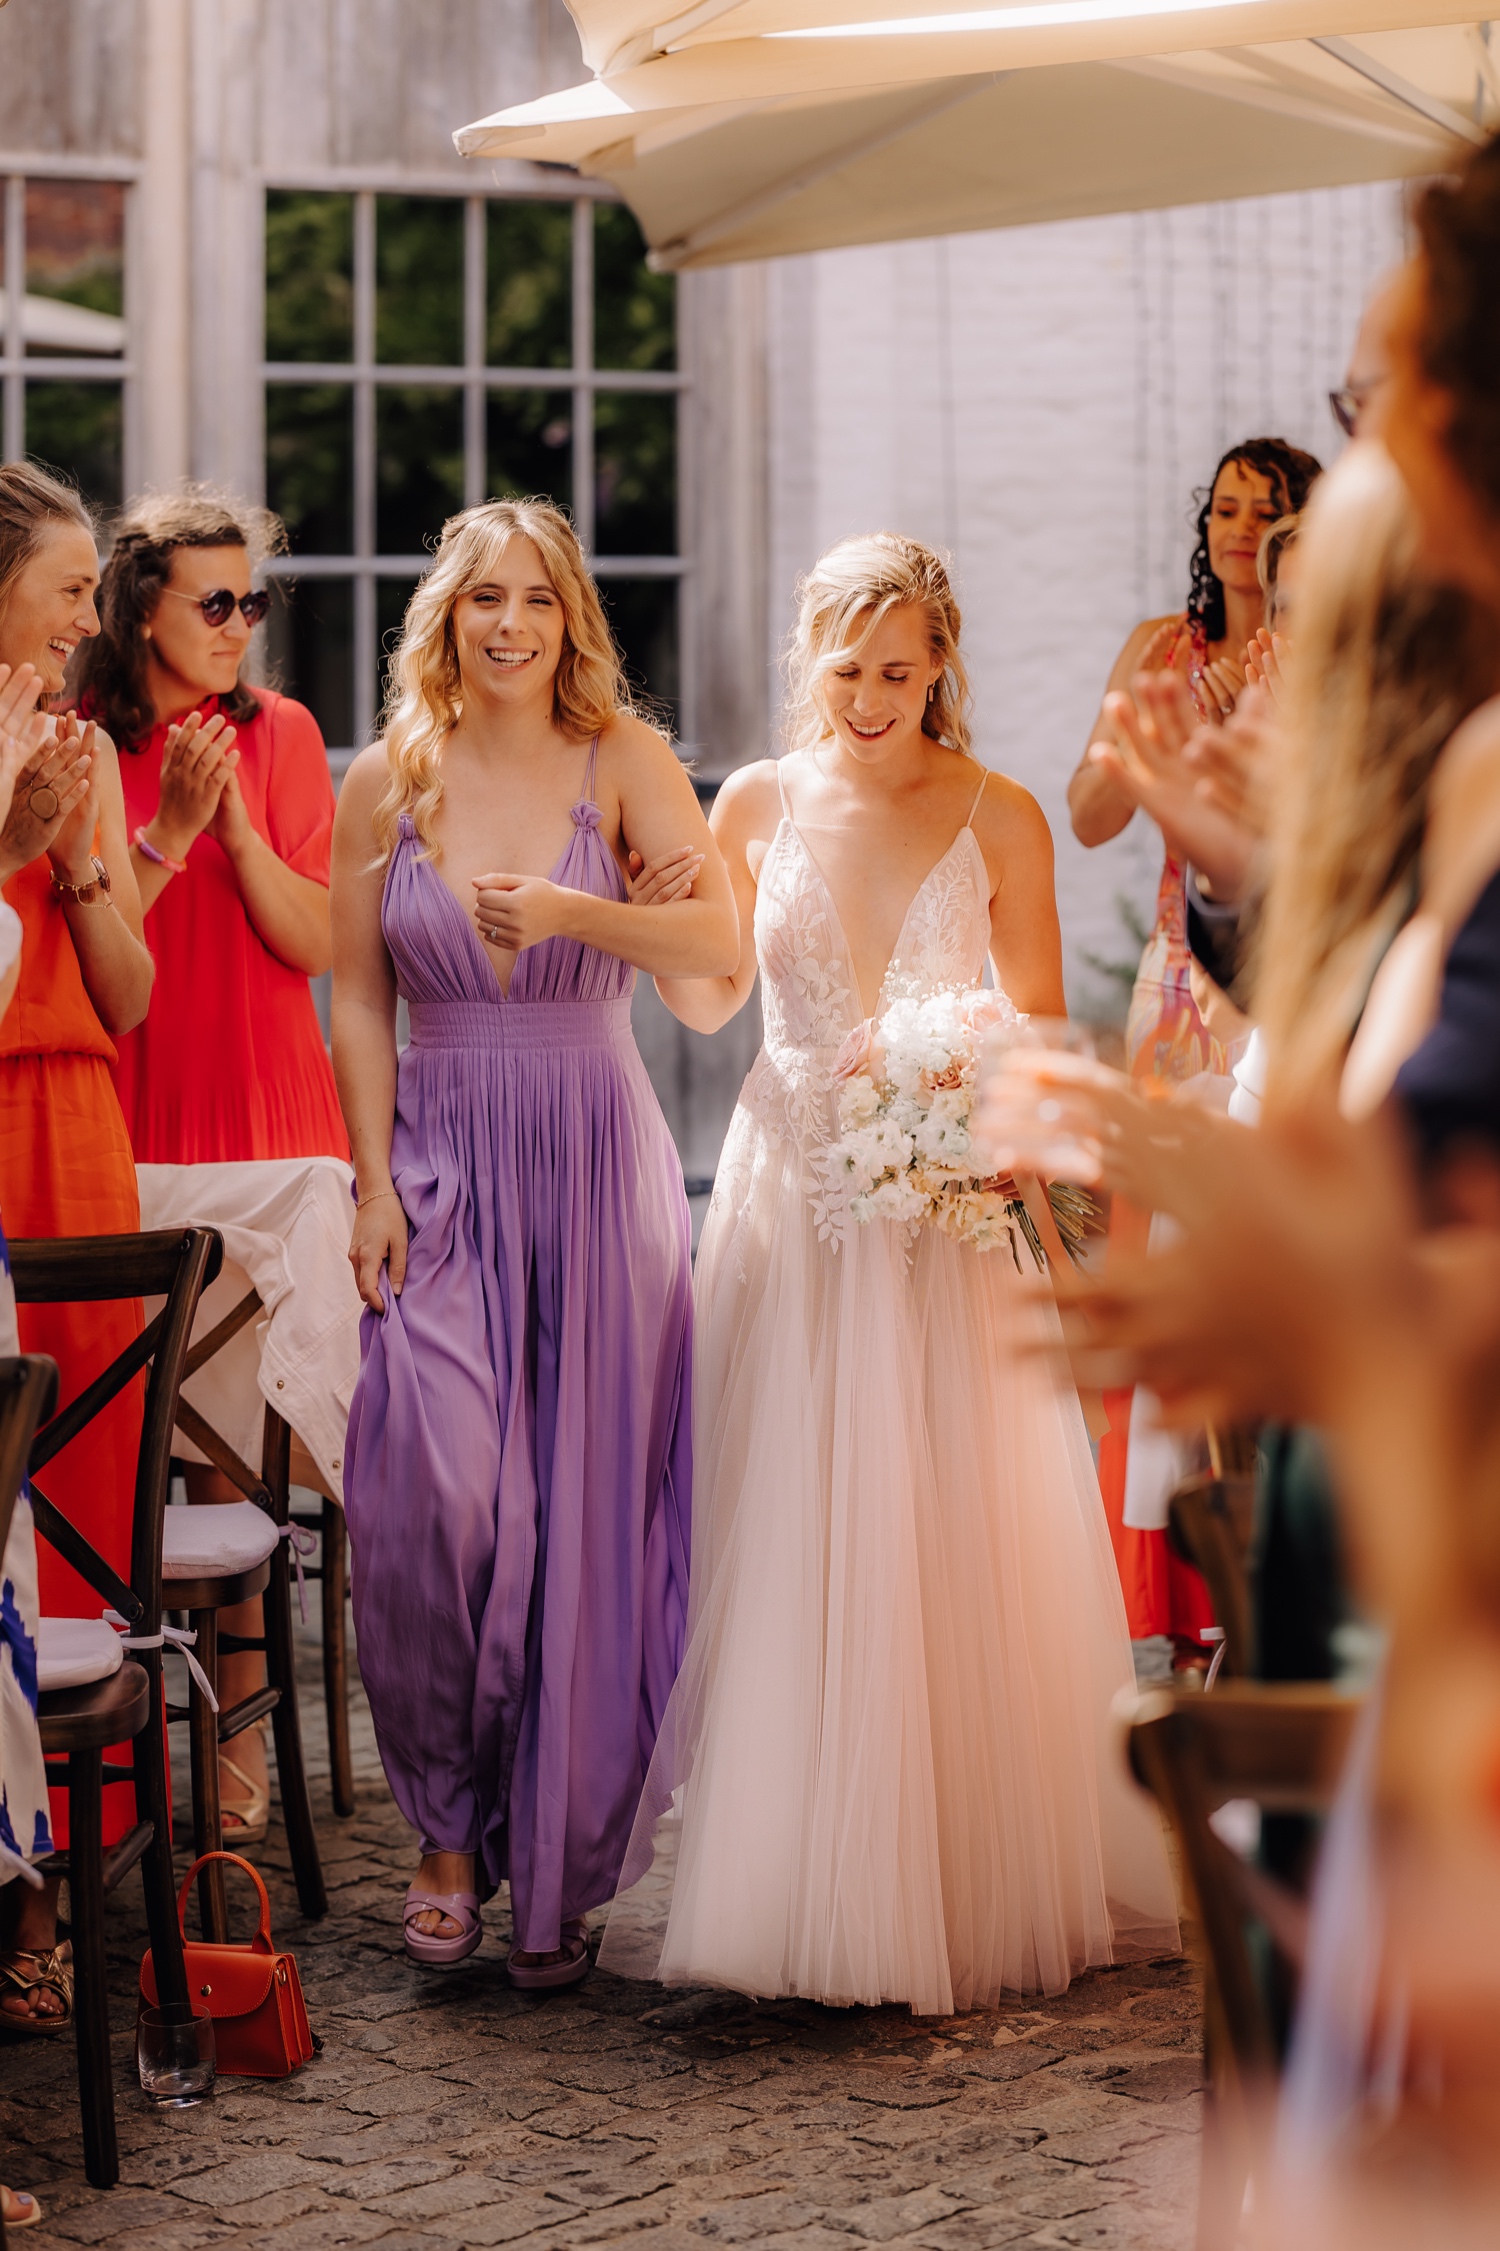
51,786
71,850
1264,664
656,883
1219,688
23,729
197,760
1146,760
1235,764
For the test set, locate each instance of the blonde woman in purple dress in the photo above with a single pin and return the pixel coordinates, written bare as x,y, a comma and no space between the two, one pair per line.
518,1470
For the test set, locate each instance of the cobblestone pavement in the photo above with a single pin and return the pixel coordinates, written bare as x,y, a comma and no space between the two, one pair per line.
447,2110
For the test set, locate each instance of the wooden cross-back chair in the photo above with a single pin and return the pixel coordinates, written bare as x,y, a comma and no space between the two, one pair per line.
125,1702
1283,1747
201,1590
331,1571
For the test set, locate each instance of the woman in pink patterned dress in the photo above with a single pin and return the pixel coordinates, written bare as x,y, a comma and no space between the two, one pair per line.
1165,1037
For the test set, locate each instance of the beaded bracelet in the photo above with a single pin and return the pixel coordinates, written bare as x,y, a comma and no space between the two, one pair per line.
144,844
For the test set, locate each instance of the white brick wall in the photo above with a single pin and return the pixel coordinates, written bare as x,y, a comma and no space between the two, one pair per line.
1039,402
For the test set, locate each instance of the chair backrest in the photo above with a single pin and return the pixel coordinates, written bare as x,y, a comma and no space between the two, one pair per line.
176,1264
28,1391
1282,1746
1211,1522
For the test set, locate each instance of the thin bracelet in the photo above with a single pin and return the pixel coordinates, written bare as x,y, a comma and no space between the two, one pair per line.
361,1201
143,843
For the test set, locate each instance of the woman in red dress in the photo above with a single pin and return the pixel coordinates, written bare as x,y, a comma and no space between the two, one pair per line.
229,807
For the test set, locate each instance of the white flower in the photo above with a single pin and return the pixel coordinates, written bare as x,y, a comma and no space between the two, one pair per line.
858,1103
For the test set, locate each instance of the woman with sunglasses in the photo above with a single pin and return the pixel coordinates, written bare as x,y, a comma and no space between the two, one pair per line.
230,811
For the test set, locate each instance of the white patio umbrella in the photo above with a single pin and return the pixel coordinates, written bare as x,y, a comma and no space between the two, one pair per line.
754,128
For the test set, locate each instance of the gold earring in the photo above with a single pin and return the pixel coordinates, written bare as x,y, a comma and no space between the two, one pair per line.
145,632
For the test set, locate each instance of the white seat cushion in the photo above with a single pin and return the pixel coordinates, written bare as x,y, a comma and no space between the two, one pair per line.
211,1542
70,1652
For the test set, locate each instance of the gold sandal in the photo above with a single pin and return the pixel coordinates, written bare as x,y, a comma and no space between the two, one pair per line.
48,1968
244,1821
29,2219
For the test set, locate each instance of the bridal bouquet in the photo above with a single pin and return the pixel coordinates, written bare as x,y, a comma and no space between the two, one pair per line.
907,1093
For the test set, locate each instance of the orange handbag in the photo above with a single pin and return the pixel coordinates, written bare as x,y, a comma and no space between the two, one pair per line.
254,1994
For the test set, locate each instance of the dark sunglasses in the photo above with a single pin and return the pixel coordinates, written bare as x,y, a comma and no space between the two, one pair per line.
218,606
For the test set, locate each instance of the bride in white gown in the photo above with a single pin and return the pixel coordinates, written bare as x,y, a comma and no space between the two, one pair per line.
888,1771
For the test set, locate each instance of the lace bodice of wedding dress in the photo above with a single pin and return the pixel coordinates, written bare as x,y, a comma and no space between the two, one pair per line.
809,996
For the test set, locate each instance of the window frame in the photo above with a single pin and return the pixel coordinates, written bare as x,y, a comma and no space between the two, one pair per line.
364,374
17,365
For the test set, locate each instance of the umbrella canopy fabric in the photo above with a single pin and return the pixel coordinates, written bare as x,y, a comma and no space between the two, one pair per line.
746,129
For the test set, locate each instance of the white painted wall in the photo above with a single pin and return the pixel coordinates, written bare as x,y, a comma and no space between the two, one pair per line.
1039,403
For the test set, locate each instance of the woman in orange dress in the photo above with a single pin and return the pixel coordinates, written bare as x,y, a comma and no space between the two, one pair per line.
1165,1037
230,808
66,1166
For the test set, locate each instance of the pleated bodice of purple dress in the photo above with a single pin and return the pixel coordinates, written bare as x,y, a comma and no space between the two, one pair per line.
519,1465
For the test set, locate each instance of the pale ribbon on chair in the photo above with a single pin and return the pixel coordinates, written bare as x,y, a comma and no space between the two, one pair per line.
12,1866
174,1637
303,1543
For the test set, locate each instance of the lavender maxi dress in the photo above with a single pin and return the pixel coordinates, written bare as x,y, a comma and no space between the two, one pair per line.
519,1462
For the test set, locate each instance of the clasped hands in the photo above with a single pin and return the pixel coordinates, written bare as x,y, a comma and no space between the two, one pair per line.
1206,785
515,911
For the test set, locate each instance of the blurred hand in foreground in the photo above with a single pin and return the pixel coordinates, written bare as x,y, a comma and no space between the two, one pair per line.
1146,759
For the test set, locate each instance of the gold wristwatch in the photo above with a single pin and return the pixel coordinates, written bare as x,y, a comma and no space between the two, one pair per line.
85,893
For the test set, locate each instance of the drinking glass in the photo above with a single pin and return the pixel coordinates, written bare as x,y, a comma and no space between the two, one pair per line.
1026,1118
175,2059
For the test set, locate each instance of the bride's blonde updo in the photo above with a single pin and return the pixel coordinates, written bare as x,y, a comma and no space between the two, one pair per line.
841,601
425,699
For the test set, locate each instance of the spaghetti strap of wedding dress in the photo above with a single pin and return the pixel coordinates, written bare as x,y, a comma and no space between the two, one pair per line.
888,1771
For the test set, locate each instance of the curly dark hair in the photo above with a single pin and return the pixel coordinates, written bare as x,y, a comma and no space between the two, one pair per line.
111,678
1458,222
1292,473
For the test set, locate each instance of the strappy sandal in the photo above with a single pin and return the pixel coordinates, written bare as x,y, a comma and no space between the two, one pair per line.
245,1820
461,1907
50,1968
570,1967
29,2219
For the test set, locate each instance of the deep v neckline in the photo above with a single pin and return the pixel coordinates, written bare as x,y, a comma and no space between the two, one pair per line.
584,805
838,921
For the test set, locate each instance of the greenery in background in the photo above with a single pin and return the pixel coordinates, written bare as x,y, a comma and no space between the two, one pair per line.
79,428
391,598
635,472
642,614
419,280
419,465
310,649
310,464
75,244
309,276
635,310
529,445
529,284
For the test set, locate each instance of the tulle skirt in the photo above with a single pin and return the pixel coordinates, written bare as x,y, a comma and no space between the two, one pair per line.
889,1770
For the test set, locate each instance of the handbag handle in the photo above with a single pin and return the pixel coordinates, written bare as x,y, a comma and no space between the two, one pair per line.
262,1943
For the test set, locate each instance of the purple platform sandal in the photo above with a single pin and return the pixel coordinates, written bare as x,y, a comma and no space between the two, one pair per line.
461,1907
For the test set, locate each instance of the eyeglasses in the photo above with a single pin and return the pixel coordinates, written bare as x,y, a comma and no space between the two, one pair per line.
220,606
1349,403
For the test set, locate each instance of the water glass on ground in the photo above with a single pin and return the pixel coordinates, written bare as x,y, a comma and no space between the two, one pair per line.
175,2058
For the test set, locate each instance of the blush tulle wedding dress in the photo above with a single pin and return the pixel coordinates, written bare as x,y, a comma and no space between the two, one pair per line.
888,1770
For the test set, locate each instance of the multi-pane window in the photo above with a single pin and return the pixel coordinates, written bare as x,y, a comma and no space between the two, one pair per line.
63,363
424,352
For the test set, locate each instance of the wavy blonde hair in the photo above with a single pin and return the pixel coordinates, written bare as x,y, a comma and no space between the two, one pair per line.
1385,668
424,696
842,600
